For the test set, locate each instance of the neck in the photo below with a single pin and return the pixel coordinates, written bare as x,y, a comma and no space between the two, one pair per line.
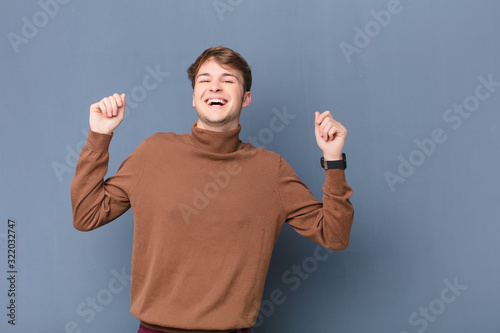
219,141
218,127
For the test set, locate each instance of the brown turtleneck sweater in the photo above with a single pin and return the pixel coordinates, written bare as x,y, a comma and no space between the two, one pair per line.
208,209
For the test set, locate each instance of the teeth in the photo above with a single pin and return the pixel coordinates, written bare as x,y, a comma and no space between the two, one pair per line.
216,100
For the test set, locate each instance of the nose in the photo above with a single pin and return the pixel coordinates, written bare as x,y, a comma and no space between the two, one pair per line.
215,86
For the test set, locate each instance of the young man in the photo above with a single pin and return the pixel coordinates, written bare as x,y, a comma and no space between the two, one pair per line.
208,208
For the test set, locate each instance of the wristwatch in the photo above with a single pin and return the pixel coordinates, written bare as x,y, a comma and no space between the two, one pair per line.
340,164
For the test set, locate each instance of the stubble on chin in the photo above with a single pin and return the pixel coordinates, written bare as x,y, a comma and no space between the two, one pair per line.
220,123
229,120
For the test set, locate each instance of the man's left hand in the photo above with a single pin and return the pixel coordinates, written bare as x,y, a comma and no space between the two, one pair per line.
330,135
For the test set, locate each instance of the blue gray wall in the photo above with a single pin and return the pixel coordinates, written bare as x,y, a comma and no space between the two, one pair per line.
417,84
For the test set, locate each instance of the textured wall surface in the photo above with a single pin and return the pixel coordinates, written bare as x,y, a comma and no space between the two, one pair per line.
416,83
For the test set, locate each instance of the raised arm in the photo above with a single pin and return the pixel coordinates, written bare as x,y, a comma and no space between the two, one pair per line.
329,222
97,201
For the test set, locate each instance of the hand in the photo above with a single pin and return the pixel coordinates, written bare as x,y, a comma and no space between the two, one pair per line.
106,115
330,135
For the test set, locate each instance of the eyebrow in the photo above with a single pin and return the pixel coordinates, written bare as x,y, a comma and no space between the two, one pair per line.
224,74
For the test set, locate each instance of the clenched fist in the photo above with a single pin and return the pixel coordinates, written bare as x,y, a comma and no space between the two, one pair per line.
106,115
330,135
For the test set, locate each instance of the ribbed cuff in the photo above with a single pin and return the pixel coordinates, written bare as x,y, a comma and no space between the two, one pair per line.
98,142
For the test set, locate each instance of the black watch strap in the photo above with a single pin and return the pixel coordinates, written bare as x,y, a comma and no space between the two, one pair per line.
329,165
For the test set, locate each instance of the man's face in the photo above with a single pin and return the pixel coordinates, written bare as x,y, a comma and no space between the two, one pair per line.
218,96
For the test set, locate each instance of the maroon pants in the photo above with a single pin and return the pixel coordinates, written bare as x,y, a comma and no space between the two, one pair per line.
143,329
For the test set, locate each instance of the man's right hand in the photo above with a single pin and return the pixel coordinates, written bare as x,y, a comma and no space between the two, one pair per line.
106,115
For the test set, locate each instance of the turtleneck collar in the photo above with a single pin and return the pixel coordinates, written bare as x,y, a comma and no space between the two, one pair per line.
216,142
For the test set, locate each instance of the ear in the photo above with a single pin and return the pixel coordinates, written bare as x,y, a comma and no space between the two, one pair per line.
247,98
194,105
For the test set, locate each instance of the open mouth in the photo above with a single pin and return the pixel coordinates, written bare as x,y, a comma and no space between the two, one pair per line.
216,102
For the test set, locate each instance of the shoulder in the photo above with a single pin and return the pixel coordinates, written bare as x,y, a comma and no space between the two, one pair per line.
265,157
155,142
268,154
162,138
276,160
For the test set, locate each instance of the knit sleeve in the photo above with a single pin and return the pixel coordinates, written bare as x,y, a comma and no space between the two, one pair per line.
96,201
328,223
